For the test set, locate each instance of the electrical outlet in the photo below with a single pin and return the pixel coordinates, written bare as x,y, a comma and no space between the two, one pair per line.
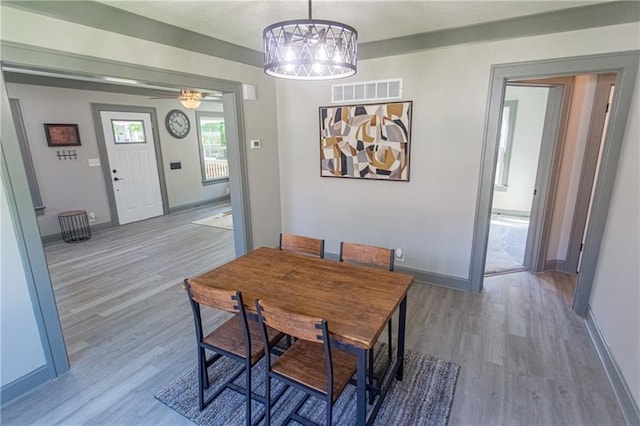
92,217
400,254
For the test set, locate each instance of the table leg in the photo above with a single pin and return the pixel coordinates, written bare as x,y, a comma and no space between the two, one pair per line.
361,387
401,332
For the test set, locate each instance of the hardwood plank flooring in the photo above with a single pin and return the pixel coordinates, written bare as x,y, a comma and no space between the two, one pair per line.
526,358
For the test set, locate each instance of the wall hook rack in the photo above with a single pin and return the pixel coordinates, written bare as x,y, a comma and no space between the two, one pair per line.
67,154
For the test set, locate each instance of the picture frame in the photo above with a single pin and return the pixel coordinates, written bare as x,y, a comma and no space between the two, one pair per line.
62,134
366,141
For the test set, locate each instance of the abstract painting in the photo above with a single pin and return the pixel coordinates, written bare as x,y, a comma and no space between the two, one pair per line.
366,141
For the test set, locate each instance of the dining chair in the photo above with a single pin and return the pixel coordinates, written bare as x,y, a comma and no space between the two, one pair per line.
301,244
310,364
362,254
238,338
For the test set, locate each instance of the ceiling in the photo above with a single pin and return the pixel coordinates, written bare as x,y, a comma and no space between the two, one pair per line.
241,21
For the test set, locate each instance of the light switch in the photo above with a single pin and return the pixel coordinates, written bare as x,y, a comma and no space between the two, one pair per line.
94,162
255,143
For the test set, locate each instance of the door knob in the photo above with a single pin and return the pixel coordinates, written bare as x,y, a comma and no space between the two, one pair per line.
117,179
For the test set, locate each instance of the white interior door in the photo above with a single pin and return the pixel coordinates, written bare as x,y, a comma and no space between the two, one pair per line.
132,164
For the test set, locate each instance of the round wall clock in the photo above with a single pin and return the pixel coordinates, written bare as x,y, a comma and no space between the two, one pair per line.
177,123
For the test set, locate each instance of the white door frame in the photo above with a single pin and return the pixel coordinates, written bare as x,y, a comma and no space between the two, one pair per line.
625,64
104,156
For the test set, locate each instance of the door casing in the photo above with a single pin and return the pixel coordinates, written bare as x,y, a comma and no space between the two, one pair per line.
19,56
625,65
588,171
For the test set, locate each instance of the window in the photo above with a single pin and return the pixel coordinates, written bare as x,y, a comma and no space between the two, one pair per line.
213,146
128,131
505,144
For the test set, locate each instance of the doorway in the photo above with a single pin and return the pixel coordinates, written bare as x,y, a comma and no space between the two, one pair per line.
131,153
521,136
624,65
69,66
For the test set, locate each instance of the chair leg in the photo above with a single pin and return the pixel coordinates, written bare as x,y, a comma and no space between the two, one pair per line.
247,390
329,411
390,341
202,376
267,398
371,376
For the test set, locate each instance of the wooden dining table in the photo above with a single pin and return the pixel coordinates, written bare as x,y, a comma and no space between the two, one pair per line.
356,301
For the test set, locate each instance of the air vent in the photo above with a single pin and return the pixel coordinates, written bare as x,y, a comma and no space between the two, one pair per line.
367,91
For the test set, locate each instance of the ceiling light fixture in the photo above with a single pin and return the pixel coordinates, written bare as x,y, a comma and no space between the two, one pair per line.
189,99
310,49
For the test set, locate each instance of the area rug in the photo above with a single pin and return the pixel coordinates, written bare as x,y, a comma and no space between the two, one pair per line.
424,397
507,240
222,220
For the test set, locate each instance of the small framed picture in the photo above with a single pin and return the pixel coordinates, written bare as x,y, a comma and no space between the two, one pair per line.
62,134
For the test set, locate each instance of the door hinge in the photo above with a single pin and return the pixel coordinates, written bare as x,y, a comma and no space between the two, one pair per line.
581,245
607,108
535,192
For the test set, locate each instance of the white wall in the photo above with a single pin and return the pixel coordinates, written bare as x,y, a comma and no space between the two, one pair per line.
20,345
259,116
571,166
72,184
615,295
527,138
431,216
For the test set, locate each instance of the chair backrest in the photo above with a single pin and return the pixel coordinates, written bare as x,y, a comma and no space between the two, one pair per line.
367,255
300,244
225,300
301,326
296,325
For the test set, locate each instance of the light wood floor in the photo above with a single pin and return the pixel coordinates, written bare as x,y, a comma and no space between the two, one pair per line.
526,358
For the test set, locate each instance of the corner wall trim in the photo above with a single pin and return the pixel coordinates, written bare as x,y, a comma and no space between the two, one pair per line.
58,236
570,19
435,278
188,206
620,388
441,280
507,212
119,21
556,265
24,384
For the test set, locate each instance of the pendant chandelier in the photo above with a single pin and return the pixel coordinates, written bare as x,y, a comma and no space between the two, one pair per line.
310,49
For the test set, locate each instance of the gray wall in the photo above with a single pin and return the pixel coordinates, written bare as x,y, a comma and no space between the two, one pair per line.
72,184
571,166
20,345
260,116
615,295
432,216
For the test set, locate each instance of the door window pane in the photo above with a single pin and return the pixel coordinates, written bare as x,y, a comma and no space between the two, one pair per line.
128,131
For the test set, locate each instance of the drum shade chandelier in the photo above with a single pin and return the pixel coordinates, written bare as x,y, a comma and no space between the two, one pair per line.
310,49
